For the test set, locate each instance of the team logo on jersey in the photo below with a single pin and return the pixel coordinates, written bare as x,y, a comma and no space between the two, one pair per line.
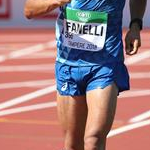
83,16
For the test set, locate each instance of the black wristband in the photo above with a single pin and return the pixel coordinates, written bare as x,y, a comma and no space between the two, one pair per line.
138,21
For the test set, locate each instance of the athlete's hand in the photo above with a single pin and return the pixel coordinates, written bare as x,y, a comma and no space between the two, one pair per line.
132,40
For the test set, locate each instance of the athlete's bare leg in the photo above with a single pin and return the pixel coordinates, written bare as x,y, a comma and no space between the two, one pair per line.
72,112
101,110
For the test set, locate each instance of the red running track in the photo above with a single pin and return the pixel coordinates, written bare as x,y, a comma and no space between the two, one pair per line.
28,119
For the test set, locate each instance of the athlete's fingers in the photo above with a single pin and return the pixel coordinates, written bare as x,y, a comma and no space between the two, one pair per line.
136,44
128,49
128,45
132,46
135,47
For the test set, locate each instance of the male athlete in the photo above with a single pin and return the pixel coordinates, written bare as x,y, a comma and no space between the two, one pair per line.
90,70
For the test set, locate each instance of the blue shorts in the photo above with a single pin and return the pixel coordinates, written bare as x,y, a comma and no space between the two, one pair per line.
77,80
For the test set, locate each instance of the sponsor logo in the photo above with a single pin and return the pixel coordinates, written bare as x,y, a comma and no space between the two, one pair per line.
83,16
64,87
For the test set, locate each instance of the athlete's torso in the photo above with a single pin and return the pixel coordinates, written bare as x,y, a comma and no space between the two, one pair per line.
77,53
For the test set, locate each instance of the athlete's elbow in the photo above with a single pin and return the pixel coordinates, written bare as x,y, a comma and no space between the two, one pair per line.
28,13
67,1
62,2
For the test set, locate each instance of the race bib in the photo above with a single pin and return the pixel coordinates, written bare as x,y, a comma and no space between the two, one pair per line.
85,30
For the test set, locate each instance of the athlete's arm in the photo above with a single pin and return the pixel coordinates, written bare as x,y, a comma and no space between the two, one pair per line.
35,8
133,39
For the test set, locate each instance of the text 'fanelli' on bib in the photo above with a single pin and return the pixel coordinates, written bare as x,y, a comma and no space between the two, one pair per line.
84,30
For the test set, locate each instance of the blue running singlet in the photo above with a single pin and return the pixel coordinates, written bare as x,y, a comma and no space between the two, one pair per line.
89,32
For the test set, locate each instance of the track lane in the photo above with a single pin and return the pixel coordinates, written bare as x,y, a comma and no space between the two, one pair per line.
29,129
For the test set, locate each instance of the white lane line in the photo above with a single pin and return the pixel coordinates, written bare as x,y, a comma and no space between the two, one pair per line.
134,93
128,128
35,83
137,58
31,68
31,50
140,117
28,51
139,75
27,108
2,58
41,55
27,97
143,63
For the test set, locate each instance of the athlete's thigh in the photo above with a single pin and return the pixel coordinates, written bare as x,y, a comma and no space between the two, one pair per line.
101,110
72,112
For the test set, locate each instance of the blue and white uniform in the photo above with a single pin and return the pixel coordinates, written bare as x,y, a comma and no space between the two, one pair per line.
90,47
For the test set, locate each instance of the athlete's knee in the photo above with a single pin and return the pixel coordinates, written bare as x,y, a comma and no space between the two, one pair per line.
70,145
73,143
94,142
74,147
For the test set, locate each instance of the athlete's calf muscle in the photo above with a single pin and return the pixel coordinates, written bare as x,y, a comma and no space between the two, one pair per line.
35,8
